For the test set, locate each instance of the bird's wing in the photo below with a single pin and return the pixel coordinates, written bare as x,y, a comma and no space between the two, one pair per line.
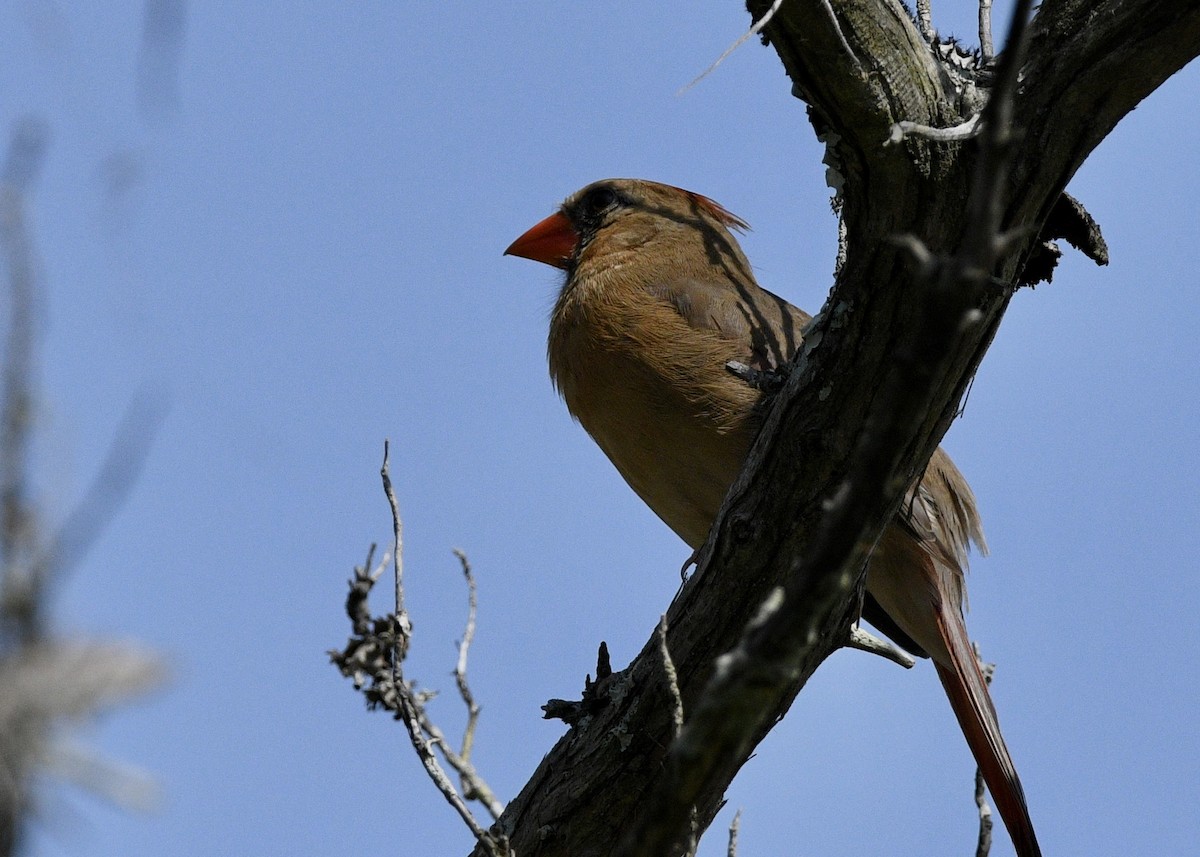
940,514
768,327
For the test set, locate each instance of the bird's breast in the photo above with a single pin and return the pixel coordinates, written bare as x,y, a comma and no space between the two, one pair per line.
654,394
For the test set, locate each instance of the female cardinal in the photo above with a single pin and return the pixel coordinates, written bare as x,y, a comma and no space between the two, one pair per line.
658,299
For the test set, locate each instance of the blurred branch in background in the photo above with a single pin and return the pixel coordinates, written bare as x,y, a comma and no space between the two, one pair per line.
164,25
48,680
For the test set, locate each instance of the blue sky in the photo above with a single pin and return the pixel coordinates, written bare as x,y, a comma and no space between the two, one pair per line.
308,262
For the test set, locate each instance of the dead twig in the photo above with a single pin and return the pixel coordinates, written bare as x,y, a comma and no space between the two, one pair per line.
865,641
672,678
984,843
48,680
925,20
374,659
986,49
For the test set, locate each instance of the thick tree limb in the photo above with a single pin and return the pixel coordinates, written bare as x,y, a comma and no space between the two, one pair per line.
1090,63
828,571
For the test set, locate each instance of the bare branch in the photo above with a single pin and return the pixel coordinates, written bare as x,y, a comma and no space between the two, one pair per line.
672,678
403,623
47,681
754,30
111,487
983,844
925,20
20,598
904,130
460,666
407,707
163,28
865,641
734,826
474,786
1090,63
125,786
986,49
376,653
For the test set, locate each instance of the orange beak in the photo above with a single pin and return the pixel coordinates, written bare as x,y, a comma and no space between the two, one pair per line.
551,242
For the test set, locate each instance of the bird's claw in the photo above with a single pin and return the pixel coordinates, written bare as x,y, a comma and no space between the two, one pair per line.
763,380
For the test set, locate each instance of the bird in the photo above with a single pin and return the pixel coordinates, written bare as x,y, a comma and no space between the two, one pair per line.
658,303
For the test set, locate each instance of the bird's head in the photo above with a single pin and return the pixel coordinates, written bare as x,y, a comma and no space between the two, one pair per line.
622,214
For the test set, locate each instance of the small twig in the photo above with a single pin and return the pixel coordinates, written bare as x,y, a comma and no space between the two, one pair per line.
20,598
474,787
406,705
986,48
923,261
754,30
841,36
955,133
123,785
110,488
865,641
925,20
460,666
398,551
49,681
837,28
734,826
164,25
32,564
984,844
672,678
408,710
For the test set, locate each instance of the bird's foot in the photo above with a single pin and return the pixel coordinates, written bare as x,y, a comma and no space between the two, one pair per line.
692,560
765,380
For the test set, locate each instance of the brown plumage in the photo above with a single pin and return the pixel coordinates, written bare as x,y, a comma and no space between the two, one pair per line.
658,299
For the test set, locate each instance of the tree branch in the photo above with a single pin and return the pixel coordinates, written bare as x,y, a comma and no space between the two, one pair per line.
838,449
376,651
791,634
1090,63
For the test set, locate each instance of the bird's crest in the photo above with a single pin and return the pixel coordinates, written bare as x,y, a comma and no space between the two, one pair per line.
720,212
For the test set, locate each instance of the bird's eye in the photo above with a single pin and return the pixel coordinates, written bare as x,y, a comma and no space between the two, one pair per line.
597,201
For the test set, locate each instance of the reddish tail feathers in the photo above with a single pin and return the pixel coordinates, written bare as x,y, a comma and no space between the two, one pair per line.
972,704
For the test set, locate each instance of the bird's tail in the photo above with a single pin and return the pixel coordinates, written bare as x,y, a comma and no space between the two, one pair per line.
968,693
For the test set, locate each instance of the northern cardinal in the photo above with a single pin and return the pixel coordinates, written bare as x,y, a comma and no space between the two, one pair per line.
658,299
